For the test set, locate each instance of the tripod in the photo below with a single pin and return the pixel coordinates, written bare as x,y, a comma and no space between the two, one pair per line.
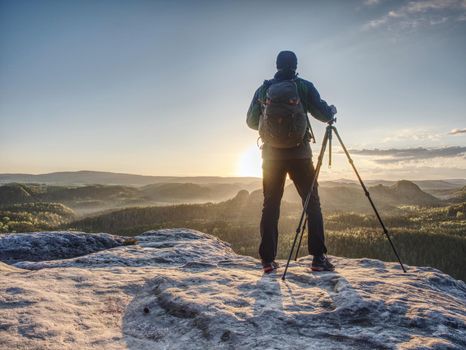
302,221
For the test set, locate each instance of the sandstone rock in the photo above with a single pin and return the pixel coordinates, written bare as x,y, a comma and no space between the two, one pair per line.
40,246
183,289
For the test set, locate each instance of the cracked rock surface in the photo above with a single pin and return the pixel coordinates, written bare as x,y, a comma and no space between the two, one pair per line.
183,289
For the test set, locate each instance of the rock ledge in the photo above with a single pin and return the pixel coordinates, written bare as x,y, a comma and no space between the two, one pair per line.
183,289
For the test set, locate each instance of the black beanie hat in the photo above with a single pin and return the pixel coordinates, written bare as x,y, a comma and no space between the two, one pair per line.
287,59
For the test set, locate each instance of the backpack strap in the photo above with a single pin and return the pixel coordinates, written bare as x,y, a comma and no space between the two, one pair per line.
312,137
263,91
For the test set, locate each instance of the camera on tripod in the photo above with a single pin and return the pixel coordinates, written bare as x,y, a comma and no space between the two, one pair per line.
330,129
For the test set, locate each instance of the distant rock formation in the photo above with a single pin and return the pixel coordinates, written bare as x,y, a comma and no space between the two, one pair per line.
183,289
410,193
350,197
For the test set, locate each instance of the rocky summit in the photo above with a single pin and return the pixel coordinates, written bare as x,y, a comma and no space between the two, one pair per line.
183,289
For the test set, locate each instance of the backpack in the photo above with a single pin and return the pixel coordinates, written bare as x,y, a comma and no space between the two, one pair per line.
283,122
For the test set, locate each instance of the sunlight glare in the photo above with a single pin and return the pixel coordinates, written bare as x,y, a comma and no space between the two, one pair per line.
250,162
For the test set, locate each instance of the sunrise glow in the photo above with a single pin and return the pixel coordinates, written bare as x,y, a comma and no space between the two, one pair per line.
249,163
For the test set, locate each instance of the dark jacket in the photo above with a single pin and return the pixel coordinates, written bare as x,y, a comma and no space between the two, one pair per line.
312,103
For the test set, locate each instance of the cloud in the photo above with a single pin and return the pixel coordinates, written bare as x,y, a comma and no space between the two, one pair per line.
422,6
413,134
395,155
371,2
457,131
420,13
413,173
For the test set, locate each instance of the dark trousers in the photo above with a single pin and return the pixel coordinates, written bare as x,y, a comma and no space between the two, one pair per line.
301,172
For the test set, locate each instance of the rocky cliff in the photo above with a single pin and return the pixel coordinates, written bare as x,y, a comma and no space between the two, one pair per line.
183,289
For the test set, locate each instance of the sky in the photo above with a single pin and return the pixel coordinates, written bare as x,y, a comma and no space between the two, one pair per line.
162,87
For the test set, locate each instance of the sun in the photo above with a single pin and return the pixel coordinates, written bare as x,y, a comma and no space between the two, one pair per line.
250,162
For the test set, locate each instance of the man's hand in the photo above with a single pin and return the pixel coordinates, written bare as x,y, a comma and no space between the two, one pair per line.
333,109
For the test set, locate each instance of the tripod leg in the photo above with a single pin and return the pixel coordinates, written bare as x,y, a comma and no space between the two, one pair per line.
306,202
366,192
314,181
330,150
300,239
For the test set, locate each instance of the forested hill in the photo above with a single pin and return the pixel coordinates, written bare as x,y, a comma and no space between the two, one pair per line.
113,196
334,196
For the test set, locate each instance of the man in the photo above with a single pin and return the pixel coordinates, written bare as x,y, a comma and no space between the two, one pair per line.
295,161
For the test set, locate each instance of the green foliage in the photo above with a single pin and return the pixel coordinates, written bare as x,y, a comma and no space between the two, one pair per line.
21,226
29,217
98,197
456,210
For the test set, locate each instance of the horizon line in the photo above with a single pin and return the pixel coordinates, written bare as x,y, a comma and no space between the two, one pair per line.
202,176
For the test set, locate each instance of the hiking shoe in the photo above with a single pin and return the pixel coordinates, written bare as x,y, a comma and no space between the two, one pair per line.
321,263
270,267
